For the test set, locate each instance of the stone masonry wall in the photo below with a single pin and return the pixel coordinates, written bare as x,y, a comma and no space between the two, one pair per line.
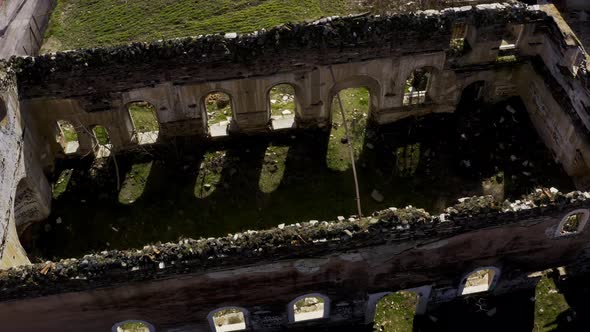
11,168
263,271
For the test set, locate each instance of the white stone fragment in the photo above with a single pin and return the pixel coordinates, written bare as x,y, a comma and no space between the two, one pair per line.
231,35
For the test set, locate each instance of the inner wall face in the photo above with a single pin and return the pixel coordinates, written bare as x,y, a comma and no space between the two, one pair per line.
427,162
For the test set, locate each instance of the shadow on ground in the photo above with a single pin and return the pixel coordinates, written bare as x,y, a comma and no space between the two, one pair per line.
557,304
426,162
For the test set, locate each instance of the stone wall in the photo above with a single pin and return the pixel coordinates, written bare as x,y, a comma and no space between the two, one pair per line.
12,168
95,86
351,263
263,271
22,26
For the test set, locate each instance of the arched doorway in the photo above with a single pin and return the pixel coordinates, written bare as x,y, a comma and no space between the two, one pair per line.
146,127
101,141
309,307
417,87
219,111
283,106
67,137
356,106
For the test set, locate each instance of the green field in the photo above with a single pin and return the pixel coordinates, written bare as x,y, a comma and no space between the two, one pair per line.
82,23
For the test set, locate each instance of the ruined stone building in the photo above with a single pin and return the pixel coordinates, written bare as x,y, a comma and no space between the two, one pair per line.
488,52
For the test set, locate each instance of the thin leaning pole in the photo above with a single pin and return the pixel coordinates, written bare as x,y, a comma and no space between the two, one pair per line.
350,149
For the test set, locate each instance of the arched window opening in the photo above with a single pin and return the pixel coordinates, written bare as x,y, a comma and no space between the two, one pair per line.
507,49
356,105
511,36
102,141
416,87
474,92
573,223
396,311
3,111
458,44
309,307
283,106
478,281
145,122
67,137
228,319
101,135
133,326
218,106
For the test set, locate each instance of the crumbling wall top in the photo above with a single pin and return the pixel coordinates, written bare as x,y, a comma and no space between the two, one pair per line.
316,41
308,239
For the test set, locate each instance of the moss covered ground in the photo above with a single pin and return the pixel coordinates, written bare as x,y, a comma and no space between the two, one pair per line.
395,312
260,182
553,305
355,103
550,304
144,117
81,23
